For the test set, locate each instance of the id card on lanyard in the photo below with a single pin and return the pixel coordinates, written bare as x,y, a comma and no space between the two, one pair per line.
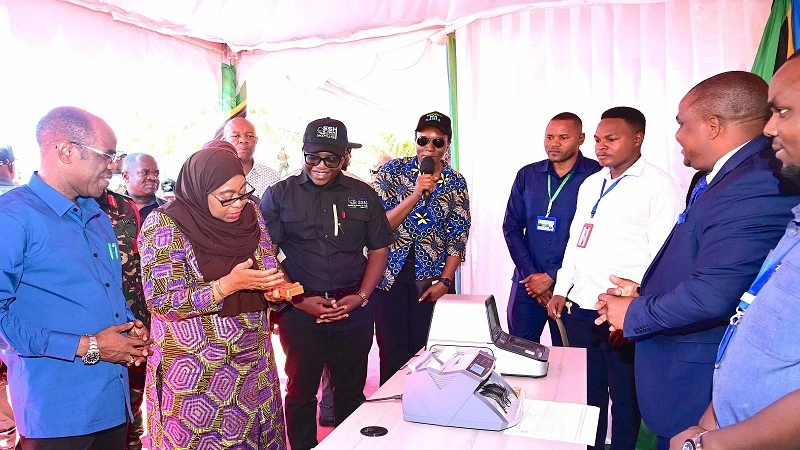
770,266
586,231
546,223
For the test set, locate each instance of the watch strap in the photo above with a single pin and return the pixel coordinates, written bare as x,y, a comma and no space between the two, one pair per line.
363,297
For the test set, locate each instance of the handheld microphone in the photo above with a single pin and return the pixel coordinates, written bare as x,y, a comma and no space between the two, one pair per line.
427,167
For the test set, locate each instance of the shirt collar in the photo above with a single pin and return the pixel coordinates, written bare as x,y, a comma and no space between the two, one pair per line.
635,170
412,165
721,162
579,166
57,201
154,201
345,181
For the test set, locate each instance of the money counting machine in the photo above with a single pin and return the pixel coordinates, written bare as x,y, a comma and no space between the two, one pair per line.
472,321
458,388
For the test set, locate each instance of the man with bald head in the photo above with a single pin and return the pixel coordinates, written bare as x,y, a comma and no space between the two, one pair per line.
241,133
66,331
764,344
736,214
141,175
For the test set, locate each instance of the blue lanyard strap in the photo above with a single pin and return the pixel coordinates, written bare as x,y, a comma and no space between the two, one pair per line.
769,267
604,192
552,197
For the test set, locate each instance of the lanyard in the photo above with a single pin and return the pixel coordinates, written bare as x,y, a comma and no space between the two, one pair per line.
552,197
604,192
770,266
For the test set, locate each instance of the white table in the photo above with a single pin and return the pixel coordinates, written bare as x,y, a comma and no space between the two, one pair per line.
565,382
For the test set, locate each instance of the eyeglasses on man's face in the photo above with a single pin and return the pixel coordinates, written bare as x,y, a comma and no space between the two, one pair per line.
111,155
331,162
422,141
243,198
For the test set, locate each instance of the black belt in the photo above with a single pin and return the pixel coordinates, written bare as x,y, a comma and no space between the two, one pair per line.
336,294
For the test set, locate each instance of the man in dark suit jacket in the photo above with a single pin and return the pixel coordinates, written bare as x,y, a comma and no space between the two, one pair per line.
737,214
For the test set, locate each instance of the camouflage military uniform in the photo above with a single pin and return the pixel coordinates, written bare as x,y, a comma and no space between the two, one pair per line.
125,219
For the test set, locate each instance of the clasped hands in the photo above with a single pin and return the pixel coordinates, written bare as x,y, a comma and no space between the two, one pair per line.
613,305
330,310
539,286
127,343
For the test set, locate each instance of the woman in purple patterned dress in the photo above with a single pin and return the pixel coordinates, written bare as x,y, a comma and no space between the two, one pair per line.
208,271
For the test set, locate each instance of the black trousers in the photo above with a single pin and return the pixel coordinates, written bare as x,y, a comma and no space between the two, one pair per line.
402,322
342,346
109,439
609,370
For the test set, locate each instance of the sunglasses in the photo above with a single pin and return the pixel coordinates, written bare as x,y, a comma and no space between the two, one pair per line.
422,141
244,197
331,162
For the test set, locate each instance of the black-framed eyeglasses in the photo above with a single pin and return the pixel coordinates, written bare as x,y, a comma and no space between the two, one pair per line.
422,141
331,162
244,197
111,155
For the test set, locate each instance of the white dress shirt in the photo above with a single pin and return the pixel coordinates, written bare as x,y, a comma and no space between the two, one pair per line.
631,223
721,162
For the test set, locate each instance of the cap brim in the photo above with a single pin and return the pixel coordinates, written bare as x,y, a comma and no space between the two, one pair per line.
316,148
354,145
439,127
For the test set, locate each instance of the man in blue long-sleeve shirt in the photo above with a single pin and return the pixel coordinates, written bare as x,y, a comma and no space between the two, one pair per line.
537,221
65,329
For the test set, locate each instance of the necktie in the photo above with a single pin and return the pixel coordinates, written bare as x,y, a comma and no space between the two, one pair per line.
701,186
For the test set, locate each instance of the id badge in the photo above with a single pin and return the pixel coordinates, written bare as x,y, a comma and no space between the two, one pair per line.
546,224
586,231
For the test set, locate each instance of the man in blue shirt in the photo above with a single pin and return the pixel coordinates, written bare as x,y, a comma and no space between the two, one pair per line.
536,226
65,329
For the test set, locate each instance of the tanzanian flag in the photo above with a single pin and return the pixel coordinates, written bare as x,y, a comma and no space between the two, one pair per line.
780,38
232,102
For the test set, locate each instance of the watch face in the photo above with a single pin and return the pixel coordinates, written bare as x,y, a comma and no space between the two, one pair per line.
688,445
92,357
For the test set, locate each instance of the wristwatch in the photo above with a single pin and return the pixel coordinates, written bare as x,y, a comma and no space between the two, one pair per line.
447,282
92,356
363,297
695,442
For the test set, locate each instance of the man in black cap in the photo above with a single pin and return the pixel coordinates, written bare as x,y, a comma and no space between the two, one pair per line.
428,209
322,220
7,169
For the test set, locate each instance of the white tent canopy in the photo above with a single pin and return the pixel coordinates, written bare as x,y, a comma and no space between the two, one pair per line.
273,25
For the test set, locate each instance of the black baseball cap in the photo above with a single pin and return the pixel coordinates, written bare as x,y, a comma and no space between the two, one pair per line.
6,154
326,135
437,120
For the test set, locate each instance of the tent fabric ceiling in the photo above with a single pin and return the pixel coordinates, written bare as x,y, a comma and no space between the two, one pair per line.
273,25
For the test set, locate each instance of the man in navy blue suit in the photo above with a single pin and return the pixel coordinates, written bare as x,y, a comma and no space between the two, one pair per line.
734,217
763,345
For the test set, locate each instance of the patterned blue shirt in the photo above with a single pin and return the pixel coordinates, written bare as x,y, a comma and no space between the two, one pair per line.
60,279
437,228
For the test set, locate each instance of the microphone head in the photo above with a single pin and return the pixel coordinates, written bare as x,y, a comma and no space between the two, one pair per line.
427,166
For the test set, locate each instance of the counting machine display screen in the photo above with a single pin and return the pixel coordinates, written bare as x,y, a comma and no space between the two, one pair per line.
477,369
